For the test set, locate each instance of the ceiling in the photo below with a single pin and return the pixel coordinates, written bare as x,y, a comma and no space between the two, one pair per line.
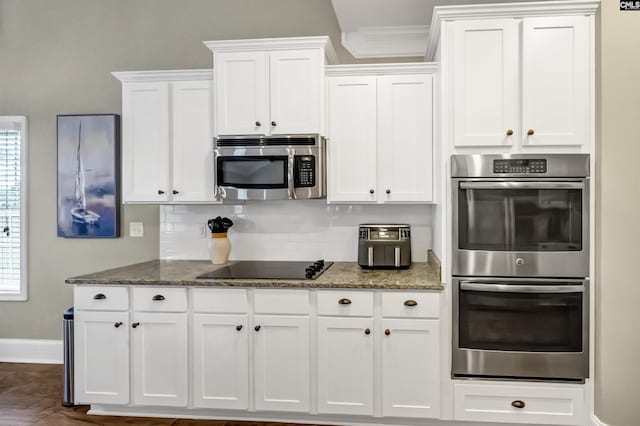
390,28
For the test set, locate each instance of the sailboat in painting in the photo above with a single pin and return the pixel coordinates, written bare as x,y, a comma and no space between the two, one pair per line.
79,213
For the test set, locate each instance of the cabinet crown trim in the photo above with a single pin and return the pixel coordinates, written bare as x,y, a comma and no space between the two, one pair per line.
505,10
164,75
282,43
382,69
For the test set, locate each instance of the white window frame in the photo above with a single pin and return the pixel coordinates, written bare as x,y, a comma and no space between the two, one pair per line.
13,122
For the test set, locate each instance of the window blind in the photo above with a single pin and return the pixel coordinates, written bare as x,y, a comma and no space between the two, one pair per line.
10,226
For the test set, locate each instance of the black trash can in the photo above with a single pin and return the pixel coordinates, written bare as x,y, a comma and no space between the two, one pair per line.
67,331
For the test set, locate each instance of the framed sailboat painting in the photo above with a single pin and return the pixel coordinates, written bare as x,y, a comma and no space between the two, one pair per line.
89,176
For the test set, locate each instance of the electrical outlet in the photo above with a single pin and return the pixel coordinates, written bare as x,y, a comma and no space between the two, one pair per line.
136,229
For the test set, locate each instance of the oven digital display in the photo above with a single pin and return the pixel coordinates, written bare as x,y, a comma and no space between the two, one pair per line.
512,166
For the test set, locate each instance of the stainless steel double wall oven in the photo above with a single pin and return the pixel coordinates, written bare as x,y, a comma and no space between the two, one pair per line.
520,266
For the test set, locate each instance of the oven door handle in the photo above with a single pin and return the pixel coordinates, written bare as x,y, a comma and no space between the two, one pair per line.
514,288
521,185
290,173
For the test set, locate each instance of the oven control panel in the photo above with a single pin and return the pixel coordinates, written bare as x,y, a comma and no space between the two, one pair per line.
521,166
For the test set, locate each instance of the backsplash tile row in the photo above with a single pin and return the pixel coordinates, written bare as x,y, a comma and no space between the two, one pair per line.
287,230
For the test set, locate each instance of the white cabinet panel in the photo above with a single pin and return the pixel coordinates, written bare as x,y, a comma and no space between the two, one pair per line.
101,357
281,362
192,142
345,365
242,93
555,80
159,357
411,368
145,153
540,404
101,298
352,155
405,138
220,361
296,78
485,82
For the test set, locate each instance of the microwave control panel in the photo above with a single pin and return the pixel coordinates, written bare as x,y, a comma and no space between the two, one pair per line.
305,171
513,166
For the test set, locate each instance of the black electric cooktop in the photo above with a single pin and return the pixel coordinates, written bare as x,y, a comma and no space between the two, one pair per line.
271,270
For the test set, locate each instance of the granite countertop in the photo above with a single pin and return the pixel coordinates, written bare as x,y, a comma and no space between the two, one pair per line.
420,276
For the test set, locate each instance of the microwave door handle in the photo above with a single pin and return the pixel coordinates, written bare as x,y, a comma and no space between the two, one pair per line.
290,173
521,185
512,288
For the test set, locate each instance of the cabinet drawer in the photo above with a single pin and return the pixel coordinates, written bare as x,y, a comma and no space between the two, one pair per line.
345,303
294,302
411,305
219,301
540,404
160,299
101,298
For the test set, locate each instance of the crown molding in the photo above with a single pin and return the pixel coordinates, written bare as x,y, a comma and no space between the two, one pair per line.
505,10
164,75
385,42
382,69
282,43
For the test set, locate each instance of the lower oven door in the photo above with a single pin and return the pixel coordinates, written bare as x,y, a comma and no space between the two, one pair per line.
534,329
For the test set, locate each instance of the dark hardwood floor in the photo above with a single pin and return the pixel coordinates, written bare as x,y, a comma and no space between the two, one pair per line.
31,394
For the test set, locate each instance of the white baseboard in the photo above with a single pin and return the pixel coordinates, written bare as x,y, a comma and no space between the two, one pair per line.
595,421
32,351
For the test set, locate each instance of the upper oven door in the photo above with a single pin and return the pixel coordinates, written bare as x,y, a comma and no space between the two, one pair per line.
520,228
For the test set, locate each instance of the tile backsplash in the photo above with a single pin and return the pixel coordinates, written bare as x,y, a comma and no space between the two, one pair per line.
287,230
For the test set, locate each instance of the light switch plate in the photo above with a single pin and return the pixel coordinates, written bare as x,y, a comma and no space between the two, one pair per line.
136,229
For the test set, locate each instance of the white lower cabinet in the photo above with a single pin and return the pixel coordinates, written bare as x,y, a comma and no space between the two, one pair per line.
345,365
102,357
533,404
411,368
281,363
220,354
159,357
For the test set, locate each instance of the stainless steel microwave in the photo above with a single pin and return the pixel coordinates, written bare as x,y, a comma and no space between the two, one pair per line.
270,167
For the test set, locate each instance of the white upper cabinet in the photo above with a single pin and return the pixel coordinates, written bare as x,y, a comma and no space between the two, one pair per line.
352,165
485,82
297,84
242,93
555,80
521,81
380,147
270,86
145,144
167,147
405,137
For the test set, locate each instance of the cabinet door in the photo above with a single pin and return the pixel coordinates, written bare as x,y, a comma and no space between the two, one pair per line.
345,365
281,362
485,82
145,145
101,357
159,355
351,168
405,135
241,95
410,368
555,80
220,361
297,81
192,144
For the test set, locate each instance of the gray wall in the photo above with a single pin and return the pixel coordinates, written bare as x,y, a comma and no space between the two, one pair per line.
56,58
617,218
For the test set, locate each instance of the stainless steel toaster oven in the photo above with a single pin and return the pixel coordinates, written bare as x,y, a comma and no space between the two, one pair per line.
384,246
